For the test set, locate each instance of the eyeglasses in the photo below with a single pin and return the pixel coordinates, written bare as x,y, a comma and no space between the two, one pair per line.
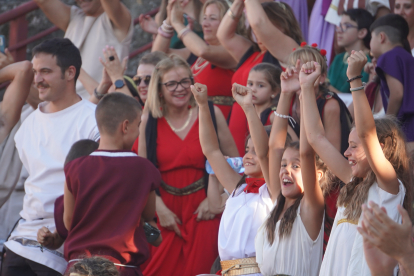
344,27
138,79
185,83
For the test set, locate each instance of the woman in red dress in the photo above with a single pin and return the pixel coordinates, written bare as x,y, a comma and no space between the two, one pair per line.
169,138
278,25
212,65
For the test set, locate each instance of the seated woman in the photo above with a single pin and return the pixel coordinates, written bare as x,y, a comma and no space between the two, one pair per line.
285,34
188,229
212,65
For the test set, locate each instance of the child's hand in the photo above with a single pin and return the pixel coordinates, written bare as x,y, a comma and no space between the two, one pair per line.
45,237
200,93
289,80
309,74
356,63
242,95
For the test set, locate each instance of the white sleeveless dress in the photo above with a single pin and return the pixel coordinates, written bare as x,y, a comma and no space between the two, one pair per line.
242,217
296,254
344,254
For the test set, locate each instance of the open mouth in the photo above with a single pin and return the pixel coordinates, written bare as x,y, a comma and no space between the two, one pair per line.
248,164
287,182
352,163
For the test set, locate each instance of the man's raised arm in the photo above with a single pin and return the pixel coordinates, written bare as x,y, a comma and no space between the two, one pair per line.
119,15
56,11
21,75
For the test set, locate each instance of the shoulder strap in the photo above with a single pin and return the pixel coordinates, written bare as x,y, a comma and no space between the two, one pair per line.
246,56
265,114
271,59
344,116
213,115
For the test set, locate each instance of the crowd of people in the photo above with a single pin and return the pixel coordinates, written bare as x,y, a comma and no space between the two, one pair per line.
250,141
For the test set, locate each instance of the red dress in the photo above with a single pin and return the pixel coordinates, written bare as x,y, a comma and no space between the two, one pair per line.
238,122
181,163
218,81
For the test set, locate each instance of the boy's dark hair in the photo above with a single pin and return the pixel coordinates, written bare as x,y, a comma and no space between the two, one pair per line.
81,148
113,109
395,27
95,266
364,19
66,53
153,58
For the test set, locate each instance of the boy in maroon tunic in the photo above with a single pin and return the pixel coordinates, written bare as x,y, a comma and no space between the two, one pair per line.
107,192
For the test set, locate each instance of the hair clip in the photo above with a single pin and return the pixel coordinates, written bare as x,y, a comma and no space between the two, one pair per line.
323,52
303,44
314,45
294,49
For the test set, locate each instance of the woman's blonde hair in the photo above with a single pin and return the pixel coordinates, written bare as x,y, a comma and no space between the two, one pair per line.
306,54
156,104
355,193
221,5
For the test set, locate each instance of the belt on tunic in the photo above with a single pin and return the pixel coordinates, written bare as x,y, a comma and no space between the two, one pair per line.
190,189
222,100
121,265
239,267
32,243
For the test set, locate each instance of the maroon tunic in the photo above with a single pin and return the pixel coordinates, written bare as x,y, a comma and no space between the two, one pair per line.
111,189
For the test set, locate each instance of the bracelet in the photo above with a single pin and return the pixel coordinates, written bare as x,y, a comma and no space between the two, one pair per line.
167,26
164,34
354,78
98,95
358,88
291,120
232,15
183,32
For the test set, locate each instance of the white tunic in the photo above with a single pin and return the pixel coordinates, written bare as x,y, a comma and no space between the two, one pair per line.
296,254
242,217
344,255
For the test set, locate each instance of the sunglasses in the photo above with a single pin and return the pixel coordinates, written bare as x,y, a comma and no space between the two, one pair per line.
138,80
343,27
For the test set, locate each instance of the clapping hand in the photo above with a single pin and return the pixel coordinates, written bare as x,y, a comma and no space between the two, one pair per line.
176,13
200,93
289,80
309,74
113,66
356,63
148,24
242,95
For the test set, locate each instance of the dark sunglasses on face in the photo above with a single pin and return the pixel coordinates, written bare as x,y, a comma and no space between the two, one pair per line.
185,83
138,80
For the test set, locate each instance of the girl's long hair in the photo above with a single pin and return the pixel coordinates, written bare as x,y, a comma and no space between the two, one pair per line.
286,222
355,193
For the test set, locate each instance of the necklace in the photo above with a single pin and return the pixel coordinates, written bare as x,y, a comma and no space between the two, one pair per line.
184,126
199,66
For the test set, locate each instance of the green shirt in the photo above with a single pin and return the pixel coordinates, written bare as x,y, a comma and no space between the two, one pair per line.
337,73
176,43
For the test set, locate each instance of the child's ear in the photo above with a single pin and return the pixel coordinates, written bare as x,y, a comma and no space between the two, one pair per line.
320,174
362,33
383,37
125,125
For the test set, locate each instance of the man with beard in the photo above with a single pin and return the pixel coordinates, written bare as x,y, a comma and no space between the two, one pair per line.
91,27
43,141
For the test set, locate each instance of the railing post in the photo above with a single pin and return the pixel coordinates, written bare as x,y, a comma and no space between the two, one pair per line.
18,32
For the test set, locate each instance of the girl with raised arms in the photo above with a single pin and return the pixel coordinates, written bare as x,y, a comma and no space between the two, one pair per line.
376,169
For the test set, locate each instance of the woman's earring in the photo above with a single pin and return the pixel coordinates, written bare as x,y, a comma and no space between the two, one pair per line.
273,96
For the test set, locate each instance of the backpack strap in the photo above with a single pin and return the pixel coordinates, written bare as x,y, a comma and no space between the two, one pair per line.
264,116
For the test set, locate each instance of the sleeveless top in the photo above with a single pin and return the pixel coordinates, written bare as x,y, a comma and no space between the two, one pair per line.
242,217
90,35
296,254
344,255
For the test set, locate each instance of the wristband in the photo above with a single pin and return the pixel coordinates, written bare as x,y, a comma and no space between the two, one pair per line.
354,78
183,32
291,120
232,15
164,34
358,88
98,95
